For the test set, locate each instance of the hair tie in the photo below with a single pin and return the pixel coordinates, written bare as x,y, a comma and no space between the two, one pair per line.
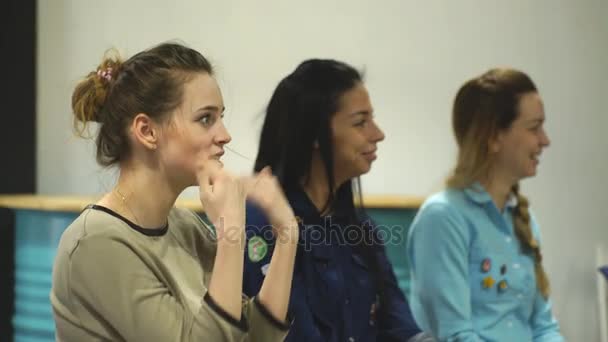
105,74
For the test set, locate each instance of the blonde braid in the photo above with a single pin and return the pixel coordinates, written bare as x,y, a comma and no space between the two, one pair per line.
530,246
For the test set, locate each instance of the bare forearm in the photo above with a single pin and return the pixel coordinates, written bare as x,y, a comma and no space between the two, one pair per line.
226,283
276,288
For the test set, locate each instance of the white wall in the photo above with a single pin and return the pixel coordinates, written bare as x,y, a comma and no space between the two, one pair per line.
416,54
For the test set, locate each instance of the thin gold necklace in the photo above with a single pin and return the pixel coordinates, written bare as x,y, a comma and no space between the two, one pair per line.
124,203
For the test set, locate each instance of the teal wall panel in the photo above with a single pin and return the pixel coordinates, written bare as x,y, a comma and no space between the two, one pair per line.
37,235
394,225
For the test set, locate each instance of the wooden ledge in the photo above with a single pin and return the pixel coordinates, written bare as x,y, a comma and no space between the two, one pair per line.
77,203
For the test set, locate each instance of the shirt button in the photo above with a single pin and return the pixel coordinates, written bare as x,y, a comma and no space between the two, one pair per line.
347,302
510,324
520,296
351,339
515,265
508,240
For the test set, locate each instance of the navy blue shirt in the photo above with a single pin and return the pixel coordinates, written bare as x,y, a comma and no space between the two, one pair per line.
336,288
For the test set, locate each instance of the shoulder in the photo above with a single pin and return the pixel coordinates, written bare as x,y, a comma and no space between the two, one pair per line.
445,205
448,199
93,224
97,236
444,215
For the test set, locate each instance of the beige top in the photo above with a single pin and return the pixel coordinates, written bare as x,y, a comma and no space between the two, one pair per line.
113,280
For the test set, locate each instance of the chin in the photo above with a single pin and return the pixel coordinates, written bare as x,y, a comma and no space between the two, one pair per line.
365,170
528,174
219,162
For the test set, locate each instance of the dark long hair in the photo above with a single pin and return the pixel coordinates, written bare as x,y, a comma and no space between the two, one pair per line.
297,118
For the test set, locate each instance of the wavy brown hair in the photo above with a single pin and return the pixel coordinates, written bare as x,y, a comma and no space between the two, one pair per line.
150,82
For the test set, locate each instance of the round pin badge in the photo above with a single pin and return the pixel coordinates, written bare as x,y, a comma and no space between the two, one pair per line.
486,265
503,269
503,285
257,249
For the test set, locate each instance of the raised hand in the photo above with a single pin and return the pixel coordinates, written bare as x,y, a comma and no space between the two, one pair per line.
264,190
223,198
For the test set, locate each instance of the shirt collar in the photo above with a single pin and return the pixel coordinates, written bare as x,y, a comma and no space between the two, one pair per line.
305,209
478,194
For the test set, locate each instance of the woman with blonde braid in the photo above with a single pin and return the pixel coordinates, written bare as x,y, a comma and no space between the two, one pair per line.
477,272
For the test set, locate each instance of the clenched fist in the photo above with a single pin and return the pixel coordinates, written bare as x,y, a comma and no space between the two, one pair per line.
264,190
223,198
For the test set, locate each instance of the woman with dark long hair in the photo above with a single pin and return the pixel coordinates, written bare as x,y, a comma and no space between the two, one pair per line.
319,135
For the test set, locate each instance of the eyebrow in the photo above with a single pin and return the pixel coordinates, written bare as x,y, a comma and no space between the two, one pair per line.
211,108
535,120
362,112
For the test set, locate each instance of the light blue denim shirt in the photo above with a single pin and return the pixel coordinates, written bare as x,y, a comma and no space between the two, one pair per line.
470,280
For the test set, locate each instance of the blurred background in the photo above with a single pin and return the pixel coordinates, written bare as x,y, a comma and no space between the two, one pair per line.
415,55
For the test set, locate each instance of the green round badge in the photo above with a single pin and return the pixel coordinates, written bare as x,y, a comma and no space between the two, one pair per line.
256,249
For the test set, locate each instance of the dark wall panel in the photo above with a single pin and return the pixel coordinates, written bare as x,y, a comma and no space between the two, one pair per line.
17,131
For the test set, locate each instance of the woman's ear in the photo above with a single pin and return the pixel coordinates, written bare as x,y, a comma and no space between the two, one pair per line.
495,143
145,131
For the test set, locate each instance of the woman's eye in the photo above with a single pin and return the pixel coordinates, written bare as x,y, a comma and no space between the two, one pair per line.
360,123
206,120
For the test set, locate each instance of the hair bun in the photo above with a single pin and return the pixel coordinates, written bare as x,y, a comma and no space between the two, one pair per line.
90,94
